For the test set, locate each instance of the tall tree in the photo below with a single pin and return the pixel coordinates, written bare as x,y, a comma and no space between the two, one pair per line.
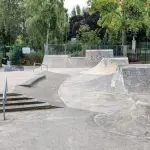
78,10
73,12
47,21
85,19
11,20
122,15
87,36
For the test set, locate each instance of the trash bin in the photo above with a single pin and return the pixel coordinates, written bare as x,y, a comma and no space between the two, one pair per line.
4,61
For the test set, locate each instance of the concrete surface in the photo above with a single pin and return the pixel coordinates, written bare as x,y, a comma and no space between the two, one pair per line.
67,71
94,93
100,112
99,54
107,66
133,79
15,78
65,61
70,129
33,80
9,68
92,58
45,90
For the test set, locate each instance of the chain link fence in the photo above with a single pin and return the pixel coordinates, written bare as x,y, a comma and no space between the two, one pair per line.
78,49
140,55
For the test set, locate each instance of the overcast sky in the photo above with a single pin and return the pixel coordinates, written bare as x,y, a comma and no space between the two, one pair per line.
69,4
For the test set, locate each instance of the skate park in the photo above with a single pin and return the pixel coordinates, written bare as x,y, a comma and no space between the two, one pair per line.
74,75
101,97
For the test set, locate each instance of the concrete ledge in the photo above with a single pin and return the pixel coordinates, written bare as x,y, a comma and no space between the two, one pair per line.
9,68
33,80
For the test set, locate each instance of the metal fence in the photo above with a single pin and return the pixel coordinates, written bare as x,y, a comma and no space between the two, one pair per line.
78,49
140,55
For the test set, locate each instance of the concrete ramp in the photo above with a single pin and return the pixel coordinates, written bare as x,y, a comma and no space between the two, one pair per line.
56,61
78,62
64,61
81,62
92,58
107,66
132,79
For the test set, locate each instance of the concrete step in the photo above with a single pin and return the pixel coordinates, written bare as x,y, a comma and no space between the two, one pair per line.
18,98
23,102
11,94
27,107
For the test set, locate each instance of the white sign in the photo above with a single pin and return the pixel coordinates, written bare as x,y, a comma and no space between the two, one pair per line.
26,50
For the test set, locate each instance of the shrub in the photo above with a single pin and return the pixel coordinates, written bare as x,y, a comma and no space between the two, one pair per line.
31,58
15,56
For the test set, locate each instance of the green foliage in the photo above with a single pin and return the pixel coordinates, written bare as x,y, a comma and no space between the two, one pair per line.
47,21
12,20
19,40
87,36
125,15
15,56
73,48
32,22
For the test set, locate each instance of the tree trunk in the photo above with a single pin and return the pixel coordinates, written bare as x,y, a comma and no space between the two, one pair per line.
124,44
124,33
47,36
123,37
47,40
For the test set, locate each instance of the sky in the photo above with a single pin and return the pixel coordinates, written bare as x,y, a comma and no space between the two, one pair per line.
69,4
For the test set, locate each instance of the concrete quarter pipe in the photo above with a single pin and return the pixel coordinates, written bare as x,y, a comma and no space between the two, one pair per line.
92,58
107,66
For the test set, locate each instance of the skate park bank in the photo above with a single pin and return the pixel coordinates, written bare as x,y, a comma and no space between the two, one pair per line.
102,103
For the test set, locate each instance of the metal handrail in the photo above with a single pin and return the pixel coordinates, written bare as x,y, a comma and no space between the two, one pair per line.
5,90
41,66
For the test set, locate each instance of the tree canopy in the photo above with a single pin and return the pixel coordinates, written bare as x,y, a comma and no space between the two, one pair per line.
34,21
85,19
122,15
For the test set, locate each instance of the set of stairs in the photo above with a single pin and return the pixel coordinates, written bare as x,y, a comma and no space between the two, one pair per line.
18,102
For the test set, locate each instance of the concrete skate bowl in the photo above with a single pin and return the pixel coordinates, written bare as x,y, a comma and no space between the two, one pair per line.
107,66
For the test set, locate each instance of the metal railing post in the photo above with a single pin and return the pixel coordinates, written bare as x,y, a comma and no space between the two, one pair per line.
5,97
41,66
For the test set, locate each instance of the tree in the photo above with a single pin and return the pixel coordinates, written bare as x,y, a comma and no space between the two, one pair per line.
73,13
78,10
12,20
122,16
47,21
85,19
87,36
